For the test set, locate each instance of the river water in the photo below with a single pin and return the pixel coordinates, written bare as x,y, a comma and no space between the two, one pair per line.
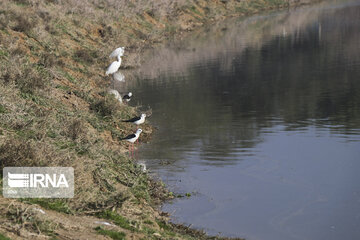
259,120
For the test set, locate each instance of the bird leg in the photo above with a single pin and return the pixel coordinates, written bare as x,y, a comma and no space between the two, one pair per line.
131,147
133,150
136,153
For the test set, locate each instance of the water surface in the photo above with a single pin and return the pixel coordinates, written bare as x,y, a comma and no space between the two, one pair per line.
259,119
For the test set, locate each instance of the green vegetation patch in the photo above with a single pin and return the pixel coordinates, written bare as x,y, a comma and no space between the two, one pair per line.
40,100
56,205
162,224
3,53
62,87
2,109
29,134
112,234
2,237
168,229
117,219
140,189
148,222
148,231
70,78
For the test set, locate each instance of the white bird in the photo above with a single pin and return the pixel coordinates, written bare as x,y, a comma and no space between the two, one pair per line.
137,120
114,66
118,76
132,139
117,52
127,97
116,94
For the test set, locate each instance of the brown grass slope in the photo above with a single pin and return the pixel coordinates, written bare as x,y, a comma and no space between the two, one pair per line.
54,110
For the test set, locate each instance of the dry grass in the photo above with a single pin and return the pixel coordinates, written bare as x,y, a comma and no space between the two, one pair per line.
30,219
75,129
85,56
17,153
106,106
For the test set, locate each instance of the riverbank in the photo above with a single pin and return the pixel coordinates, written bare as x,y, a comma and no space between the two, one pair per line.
55,111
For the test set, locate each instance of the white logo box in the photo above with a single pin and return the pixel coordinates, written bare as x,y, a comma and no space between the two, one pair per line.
38,182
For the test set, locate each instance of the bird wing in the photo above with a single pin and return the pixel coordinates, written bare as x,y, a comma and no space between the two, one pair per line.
129,137
114,66
133,119
126,97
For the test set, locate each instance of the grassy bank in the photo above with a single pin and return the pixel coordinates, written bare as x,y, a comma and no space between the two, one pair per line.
55,111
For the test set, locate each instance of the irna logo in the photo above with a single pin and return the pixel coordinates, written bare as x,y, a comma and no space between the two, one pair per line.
38,182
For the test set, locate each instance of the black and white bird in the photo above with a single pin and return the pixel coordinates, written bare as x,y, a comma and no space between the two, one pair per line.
137,120
127,97
132,139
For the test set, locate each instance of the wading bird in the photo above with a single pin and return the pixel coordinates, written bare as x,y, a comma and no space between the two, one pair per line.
117,52
127,97
137,120
114,66
132,139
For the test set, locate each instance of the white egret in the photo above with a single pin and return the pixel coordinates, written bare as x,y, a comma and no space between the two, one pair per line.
117,52
114,66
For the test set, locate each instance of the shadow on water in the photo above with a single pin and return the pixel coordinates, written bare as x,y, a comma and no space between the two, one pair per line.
260,117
